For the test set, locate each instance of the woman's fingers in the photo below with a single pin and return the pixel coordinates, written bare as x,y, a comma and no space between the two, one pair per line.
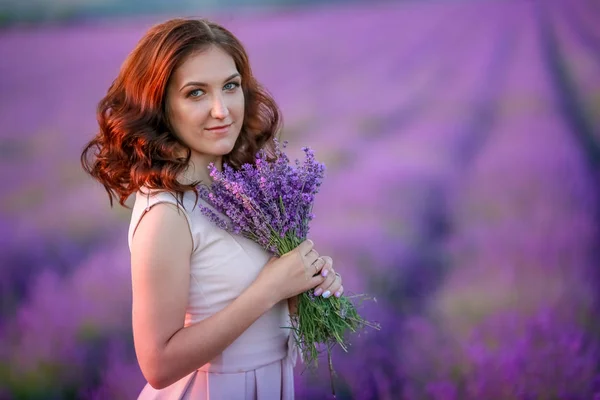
327,267
335,289
307,252
316,266
310,257
339,292
305,247
328,286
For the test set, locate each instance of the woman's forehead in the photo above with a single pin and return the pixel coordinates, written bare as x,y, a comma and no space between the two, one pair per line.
211,66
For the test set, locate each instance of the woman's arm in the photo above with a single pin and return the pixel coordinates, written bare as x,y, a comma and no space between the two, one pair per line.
160,259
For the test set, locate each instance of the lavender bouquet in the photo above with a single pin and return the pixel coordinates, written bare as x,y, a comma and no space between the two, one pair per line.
271,203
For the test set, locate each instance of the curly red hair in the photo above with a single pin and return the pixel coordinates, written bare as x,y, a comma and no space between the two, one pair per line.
135,146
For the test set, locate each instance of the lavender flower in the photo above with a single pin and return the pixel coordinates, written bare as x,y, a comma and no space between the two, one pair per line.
269,202
508,356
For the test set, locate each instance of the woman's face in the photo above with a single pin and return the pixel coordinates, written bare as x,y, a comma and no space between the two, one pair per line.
205,93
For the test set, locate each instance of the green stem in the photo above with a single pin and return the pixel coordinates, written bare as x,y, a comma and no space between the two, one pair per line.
331,372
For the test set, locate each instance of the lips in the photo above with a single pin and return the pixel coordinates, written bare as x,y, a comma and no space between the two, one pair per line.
218,128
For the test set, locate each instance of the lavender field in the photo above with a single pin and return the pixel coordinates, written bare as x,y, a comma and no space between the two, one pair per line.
462,144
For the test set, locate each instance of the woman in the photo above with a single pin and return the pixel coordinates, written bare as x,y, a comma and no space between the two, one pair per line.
208,306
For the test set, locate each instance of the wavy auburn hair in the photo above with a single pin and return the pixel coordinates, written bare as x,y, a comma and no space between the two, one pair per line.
135,145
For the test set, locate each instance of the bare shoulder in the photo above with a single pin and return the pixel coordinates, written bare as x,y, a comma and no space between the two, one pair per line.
163,230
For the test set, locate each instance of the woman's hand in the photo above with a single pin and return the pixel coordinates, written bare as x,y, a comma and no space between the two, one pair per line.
293,273
332,283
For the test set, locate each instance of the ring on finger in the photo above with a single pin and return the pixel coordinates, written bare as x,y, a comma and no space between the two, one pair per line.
315,264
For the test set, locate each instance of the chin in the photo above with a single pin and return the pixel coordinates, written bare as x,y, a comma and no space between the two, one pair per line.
225,147
217,148
220,151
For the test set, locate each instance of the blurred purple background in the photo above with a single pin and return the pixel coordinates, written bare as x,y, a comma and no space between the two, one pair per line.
462,141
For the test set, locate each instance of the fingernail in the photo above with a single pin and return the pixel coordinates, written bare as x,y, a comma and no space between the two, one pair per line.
337,294
324,272
326,294
318,292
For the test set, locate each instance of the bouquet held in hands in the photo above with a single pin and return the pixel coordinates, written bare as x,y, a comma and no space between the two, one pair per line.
271,203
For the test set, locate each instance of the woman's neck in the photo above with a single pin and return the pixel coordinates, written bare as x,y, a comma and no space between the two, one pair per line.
197,170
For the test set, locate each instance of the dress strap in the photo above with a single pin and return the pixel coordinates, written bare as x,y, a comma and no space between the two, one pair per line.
144,200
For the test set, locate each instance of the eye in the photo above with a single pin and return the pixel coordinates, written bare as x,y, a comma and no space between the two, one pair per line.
231,86
195,93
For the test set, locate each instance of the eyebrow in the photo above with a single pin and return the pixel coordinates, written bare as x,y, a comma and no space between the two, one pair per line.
205,84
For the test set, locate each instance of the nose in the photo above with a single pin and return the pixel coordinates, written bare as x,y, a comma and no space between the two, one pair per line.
219,108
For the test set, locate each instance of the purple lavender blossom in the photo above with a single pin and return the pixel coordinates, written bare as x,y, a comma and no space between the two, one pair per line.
508,356
269,202
121,377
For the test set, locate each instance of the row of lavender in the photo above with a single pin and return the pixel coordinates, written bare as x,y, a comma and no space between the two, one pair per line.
457,193
516,224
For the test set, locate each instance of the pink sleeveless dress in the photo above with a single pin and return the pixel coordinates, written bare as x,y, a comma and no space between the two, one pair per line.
259,364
